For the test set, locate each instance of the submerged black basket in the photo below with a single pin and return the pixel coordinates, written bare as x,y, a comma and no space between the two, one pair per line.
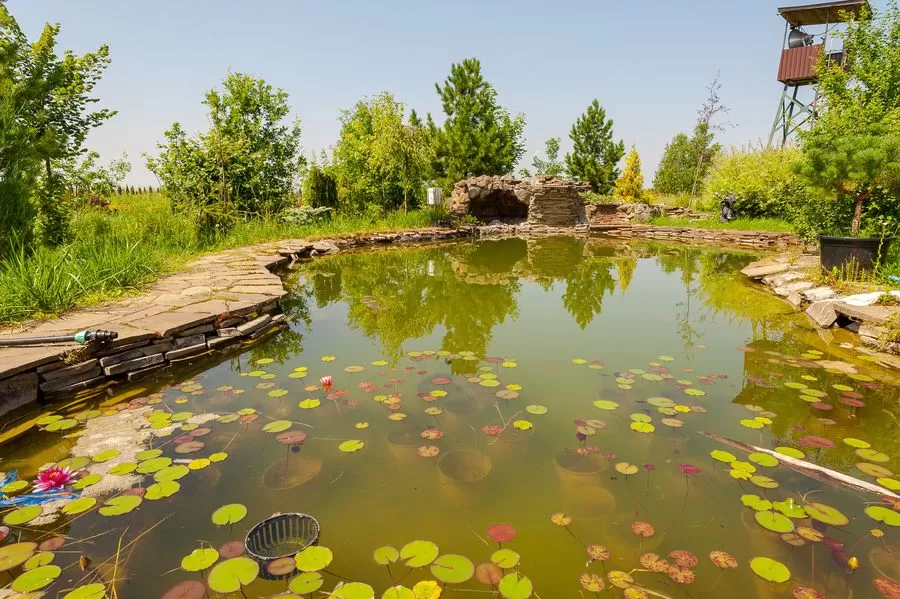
278,536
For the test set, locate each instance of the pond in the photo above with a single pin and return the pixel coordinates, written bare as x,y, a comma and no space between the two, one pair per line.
550,417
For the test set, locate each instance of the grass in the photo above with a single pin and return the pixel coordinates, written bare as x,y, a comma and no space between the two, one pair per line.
118,252
740,224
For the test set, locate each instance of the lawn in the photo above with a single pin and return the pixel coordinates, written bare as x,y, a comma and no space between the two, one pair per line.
119,251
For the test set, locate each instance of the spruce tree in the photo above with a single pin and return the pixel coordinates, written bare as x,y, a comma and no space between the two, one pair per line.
478,136
630,186
595,155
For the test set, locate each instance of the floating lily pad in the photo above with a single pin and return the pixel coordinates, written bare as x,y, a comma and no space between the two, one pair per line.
790,509
774,521
880,513
505,558
123,468
305,583
22,515
872,456
605,404
105,456
764,482
537,410
153,465
722,456
230,575
218,457
790,452
162,490
826,514
14,487
515,586
231,513
620,579
309,403
34,580
755,502
97,590
560,519
626,468
488,573
891,484
769,569
419,553
592,582
428,589
453,569
722,559
351,446
199,559
386,555
118,506
763,459
501,533
523,425
16,554
82,504
642,529
61,425
87,481
398,592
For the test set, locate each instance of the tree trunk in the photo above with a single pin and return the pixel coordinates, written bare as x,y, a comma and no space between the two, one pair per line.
405,210
857,213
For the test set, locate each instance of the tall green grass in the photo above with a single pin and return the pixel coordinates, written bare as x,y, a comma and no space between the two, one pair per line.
739,224
114,252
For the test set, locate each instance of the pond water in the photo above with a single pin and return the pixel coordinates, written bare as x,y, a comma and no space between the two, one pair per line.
636,416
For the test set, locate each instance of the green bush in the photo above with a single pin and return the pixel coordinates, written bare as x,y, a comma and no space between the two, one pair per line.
304,215
592,197
679,200
761,179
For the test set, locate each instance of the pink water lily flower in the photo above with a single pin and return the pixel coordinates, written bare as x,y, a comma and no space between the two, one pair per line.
326,381
53,478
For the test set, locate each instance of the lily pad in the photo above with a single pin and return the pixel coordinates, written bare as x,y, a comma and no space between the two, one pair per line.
118,506
87,481
123,468
605,404
231,513
82,504
16,554
386,555
560,519
722,456
94,590
453,569
515,586
763,459
722,559
879,513
162,490
774,521
769,569
277,426
41,558
537,410
790,452
105,456
427,589
488,573
592,582
309,403
22,515
501,533
313,558
230,575
153,465
523,425
351,446
33,580
505,558
872,456
199,559
353,590
398,592
826,514
419,553
305,583
626,468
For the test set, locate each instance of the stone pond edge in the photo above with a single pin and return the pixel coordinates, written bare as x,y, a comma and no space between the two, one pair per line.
185,316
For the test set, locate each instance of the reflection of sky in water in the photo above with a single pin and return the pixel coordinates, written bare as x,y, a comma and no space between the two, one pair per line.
542,302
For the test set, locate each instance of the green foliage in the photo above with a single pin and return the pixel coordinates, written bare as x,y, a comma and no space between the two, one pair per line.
245,165
552,166
680,200
47,116
86,181
478,136
380,160
305,215
592,197
686,160
595,155
630,186
762,180
852,153
320,188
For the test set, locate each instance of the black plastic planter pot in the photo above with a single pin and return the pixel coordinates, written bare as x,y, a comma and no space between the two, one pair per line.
859,254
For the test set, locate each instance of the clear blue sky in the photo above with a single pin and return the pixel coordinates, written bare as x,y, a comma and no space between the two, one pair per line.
648,62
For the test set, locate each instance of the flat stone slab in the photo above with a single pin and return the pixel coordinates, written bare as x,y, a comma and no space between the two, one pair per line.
823,313
875,314
796,287
760,271
819,293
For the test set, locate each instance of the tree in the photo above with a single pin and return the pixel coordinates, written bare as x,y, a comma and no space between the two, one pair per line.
630,186
51,96
246,164
595,155
380,160
852,151
319,188
552,166
85,180
478,136
686,160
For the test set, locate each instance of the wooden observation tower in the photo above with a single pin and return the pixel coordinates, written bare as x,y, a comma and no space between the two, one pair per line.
807,36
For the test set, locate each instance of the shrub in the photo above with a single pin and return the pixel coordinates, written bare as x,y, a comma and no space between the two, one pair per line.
762,180
679,200
304,215
592,197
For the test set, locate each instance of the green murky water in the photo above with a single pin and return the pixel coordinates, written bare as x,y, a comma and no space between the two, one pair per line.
509,382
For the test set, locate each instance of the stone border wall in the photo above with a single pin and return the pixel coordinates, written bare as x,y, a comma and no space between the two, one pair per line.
755,239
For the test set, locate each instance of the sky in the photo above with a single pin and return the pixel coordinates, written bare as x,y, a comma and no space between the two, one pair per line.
648,62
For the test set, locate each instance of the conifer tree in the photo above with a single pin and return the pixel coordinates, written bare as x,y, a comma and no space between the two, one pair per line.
595,154
630,186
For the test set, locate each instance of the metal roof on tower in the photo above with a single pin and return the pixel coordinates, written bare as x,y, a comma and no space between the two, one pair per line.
822,13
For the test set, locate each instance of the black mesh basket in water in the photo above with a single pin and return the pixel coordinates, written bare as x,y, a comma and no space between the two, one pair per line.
281,535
